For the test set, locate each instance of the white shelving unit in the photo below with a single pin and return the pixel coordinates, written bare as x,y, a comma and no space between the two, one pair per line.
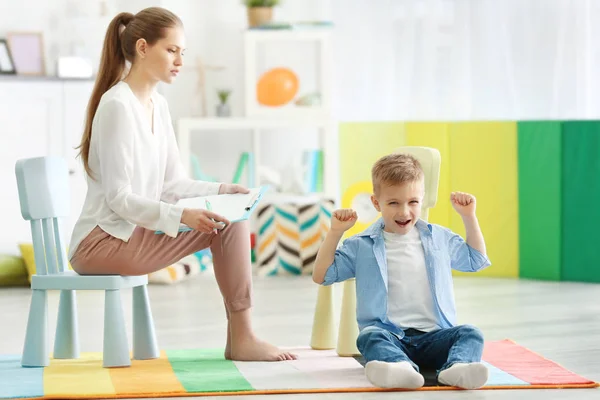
327,140
320,37
259,118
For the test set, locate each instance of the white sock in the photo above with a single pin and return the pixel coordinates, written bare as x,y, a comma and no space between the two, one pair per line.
393,375
464,375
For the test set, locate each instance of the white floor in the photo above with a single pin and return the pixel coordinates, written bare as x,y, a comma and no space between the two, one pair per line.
560,321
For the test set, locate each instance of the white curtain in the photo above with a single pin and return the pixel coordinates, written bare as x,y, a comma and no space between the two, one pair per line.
466,59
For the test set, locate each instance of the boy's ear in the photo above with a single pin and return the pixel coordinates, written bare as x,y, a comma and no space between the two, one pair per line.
375,203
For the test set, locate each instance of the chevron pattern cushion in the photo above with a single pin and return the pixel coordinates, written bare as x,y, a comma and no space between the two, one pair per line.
183,269
289,235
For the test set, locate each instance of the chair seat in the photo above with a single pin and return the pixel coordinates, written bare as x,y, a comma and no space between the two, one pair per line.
71,280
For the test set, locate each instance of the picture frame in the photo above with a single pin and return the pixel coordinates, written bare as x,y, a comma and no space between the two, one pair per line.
27,51
7,66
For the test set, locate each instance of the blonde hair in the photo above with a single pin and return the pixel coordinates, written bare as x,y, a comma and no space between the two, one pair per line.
395,169
119,46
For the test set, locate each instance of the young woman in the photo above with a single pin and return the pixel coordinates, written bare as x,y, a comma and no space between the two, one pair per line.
135,178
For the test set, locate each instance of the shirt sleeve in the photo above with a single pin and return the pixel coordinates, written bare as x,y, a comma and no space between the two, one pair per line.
115,139
177,185
343,266
464,257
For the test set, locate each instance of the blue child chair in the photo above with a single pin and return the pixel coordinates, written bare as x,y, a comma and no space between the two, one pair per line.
43,184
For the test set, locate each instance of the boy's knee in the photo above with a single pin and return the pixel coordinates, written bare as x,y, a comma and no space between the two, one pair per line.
371,333
472,332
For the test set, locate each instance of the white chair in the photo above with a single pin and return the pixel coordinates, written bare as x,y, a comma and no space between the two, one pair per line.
324,329
44,196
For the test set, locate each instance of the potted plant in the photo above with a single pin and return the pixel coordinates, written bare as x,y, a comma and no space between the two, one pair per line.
260,11
223,109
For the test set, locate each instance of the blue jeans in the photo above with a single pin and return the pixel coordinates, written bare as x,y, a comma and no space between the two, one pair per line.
429,350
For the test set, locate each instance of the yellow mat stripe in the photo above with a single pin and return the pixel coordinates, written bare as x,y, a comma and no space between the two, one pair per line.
151,376
86,377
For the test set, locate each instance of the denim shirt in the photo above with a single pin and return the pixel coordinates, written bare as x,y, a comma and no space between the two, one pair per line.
363,257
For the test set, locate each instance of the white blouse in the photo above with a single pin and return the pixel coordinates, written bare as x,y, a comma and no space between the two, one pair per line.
137,173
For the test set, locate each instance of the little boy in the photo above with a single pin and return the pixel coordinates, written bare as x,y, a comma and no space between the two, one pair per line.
402,265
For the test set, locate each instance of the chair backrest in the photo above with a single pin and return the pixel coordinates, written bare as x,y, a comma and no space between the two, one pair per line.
430,160
44,196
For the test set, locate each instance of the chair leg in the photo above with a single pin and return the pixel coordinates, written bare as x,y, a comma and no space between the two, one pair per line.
324,329
116,349
144,337
66,343
346,346
35,351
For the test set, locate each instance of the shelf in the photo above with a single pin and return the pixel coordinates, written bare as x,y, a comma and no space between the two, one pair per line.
327,133
284,35
258,118
251,123
293,198
43,78
254,68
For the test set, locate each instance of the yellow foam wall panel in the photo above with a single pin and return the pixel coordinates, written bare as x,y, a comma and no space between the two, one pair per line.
483,162
437,136
361,144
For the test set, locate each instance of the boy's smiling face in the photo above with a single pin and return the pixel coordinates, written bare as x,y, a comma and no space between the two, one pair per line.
400,205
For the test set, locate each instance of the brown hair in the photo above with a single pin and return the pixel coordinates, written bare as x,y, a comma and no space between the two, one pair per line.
120,46
395,169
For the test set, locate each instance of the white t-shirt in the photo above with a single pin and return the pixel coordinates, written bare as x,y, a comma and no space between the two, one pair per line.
410,302
137,170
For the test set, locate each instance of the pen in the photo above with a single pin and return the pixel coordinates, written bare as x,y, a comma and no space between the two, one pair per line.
209,208
252,202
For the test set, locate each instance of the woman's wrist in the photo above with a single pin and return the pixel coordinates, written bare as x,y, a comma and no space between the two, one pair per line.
184,215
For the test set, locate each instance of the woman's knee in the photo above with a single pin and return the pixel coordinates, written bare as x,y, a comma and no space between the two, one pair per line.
240,227
235,234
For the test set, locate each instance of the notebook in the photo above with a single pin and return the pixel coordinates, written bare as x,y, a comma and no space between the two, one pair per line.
235,207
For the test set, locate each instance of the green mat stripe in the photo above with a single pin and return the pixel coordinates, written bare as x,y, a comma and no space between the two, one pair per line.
581,201
204,370
539,160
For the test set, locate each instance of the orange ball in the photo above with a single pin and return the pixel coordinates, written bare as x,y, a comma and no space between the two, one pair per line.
277,87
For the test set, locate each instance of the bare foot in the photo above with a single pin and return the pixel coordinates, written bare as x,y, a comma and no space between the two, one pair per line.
228,345
252,349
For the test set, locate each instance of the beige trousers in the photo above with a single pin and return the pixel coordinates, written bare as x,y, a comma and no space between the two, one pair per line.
145,252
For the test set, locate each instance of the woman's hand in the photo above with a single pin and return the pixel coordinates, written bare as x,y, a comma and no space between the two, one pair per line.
231,188
203,220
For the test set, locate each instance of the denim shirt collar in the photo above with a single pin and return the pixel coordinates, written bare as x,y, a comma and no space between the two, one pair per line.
376,229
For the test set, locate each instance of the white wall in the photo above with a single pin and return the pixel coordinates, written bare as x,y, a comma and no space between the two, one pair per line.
467,59
394,59
70,27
